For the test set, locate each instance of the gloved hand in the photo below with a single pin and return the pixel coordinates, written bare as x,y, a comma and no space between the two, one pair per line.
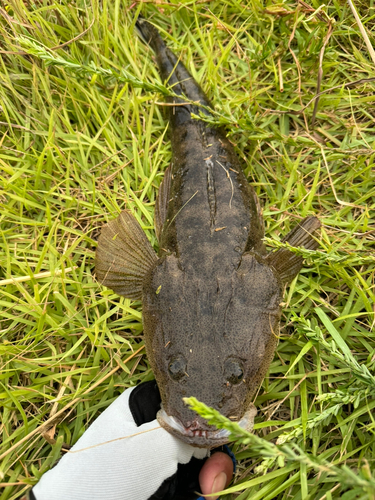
126,455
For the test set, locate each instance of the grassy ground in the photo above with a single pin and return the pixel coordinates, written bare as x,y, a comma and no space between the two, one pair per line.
83,135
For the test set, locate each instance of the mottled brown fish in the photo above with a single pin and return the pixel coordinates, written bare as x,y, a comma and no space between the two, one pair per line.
211,298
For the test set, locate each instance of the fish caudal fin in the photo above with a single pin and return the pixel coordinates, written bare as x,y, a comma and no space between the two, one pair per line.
146,31
287,263
174,73
124,256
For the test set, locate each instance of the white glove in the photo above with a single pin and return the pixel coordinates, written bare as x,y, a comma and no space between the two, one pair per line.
116,460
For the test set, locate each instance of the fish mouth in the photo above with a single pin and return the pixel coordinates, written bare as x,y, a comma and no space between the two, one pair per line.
196,435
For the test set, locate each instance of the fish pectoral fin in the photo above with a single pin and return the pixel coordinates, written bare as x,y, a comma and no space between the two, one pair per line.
287,263
162,200
124,256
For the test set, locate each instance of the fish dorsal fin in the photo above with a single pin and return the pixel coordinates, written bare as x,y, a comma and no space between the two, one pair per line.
287,263
124,256
162,199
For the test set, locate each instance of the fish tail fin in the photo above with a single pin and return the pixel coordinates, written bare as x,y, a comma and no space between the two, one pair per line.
147,32
172,69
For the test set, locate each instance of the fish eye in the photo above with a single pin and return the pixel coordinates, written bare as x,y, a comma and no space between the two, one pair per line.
233,371
177,368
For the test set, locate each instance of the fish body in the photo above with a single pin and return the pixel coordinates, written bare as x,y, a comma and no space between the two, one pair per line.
211,298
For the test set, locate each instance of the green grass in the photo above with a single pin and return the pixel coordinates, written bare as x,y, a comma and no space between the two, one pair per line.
83,134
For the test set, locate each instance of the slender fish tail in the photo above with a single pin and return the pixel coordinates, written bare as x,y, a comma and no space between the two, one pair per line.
171,69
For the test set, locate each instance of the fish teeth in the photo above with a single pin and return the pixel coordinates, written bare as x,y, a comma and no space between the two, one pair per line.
203,433
174,423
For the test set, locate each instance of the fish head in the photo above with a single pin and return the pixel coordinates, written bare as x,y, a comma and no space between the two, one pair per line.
213,339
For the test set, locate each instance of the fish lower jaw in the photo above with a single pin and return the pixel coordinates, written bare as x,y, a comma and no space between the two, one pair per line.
202,438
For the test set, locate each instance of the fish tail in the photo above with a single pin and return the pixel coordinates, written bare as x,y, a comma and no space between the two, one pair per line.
171,68
148,32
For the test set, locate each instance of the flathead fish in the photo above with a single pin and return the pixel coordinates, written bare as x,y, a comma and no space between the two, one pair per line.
211,297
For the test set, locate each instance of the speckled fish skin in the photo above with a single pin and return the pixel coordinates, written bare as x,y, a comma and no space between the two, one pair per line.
211,300
206,313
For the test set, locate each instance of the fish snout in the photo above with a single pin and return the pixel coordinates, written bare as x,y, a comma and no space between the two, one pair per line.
197,432
194,432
